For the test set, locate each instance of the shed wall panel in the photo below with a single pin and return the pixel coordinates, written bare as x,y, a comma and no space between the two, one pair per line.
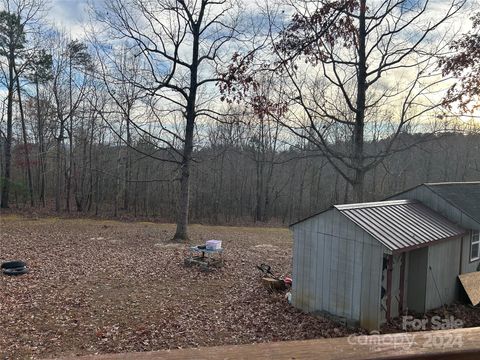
314,269
295,273
327,258
442,272
308,290
337,269
320,282
370,288
299,274
357,279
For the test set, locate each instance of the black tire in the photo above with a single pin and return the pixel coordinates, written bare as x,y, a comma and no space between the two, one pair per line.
13,264
15,271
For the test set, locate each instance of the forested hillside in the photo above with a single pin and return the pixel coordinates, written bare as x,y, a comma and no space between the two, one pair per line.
227,113
240,177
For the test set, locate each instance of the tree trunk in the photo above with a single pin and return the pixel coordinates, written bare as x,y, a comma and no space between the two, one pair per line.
90,164
126,195
181,233
68,173
299,211
259,186
41,145
116,182
58,160
220,189
358,136
184,198
58,175
8,143
25,143
135,199
79,186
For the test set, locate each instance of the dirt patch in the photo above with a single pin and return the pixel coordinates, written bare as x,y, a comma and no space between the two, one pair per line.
106,286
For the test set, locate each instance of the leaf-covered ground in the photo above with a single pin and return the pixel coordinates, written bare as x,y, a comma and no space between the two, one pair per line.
105,286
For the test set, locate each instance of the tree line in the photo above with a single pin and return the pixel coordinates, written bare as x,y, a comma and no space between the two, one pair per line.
239,178
200,111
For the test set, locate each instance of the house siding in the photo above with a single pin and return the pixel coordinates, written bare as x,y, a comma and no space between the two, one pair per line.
431,199
467,265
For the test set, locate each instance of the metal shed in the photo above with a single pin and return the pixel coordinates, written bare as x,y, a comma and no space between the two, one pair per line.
368,262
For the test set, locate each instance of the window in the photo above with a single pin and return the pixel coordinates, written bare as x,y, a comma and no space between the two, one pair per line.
475,246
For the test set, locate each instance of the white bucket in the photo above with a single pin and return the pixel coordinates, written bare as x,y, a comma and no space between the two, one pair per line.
213,244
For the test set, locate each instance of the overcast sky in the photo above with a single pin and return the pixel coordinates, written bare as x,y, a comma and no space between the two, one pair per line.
69,10
71,15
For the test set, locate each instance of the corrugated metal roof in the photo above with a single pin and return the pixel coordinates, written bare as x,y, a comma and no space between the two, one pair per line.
401,224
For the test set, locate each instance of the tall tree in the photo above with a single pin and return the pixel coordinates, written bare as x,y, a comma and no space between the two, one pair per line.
17,19
182,43
120,71
353,72
12,42
71,65
25,139
39,73
79,64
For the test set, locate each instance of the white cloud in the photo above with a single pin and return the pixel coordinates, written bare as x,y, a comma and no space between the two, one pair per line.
70,15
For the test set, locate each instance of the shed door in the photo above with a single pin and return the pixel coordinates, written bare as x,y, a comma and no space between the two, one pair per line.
417,279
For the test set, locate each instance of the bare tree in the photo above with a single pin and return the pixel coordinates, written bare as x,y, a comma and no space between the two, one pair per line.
39,73
182,43
68,87
25,139
353,73
120,71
